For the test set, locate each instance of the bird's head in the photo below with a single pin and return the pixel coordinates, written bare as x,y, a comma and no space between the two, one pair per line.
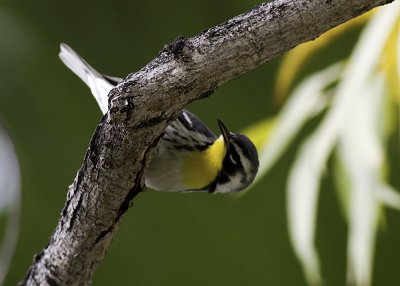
240,164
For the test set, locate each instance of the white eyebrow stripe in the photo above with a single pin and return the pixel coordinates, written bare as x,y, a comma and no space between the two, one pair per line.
243,160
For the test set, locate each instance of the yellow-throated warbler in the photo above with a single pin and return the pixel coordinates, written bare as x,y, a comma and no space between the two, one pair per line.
189,157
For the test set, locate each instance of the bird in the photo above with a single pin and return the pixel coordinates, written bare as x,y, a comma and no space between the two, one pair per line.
189,157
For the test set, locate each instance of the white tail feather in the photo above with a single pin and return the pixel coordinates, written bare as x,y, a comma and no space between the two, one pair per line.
98,83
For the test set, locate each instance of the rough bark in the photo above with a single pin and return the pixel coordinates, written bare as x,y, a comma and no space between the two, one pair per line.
144,103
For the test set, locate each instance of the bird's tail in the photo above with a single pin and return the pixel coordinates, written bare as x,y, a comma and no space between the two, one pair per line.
77,64
99,84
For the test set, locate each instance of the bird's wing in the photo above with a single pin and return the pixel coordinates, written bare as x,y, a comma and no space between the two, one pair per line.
99,84
188,133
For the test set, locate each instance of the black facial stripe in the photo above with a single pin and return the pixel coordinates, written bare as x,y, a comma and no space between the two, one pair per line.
244,149
235,155
229,168
211,188
222,178
232,167
247,148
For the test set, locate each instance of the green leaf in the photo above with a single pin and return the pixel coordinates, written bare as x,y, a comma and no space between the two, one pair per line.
307,100
295,59
310,164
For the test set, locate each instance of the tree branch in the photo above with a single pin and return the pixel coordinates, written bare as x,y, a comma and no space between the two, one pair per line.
145,102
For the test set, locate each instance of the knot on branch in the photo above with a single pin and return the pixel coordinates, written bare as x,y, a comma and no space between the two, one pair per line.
122,106
180,49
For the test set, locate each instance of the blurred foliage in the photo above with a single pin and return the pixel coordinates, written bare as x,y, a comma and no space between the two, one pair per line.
359,103
165,239
10,194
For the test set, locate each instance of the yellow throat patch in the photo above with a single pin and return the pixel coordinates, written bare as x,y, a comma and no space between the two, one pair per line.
200,168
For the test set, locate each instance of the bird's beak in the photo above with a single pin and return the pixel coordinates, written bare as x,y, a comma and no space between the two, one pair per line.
225,132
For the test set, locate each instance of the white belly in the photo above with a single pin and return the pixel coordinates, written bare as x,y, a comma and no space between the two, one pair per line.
165,171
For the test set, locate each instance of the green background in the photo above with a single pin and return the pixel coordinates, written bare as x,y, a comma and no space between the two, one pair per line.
165,238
